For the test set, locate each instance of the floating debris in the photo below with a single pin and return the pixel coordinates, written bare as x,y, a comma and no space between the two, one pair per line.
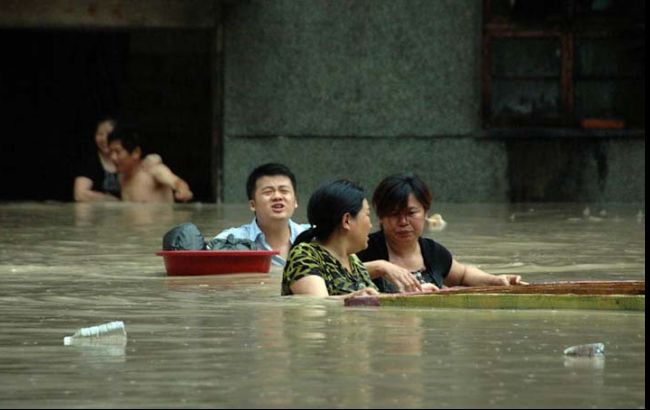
436,223
586,350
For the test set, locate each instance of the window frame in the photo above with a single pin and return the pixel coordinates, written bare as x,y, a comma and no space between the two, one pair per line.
494,28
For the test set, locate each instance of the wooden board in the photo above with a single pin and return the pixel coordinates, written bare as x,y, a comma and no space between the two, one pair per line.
597,295
594,287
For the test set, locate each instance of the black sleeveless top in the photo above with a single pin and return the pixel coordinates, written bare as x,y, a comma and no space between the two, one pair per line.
437,260
103,181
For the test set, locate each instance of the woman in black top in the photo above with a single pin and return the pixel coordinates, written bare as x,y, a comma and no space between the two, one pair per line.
399,259
97,178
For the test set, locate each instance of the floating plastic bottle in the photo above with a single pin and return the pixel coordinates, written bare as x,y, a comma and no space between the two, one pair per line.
587,350
112,332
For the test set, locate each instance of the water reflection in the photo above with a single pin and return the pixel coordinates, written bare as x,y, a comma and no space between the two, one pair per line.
403,359
120,214
597,362
110,349
216,282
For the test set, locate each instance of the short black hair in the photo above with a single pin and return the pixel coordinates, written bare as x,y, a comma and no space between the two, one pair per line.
128,135
392,194
268,169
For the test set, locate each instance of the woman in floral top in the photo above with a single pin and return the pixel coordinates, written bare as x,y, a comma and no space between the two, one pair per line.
322,261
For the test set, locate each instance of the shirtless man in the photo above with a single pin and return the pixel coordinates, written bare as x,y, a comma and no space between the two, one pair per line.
143,181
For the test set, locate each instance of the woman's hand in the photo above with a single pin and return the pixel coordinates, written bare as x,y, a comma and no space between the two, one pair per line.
467,275
401,278
507,280
363,292
429,287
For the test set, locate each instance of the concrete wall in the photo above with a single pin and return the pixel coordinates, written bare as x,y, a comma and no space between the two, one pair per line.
625,180
458,169
352,68
332,88
357,89
107,14
362,89
576,169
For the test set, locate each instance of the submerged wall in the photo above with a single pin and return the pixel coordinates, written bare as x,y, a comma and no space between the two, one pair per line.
458,169
368,160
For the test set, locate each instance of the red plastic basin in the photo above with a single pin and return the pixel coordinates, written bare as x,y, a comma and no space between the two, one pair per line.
216,262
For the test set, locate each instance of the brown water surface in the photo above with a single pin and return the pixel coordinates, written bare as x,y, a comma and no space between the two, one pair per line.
232,341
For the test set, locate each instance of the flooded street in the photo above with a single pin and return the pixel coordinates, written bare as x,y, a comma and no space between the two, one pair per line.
231,341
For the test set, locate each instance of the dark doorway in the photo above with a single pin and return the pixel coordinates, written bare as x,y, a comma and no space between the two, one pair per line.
55,84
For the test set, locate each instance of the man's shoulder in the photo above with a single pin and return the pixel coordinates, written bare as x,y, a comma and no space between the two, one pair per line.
242,231
151,160
298,226
154,168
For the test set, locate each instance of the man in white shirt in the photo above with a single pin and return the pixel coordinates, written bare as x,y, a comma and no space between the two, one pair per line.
271,190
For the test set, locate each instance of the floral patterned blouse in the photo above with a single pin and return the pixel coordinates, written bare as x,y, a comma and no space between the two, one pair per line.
309,258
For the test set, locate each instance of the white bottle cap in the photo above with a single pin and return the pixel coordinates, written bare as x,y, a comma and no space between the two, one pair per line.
67,340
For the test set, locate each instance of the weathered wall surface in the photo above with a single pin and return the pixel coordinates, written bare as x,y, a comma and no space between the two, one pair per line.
352,68
340,88
108,14
625,180
362,89
367,160
576,169
357,89
457,169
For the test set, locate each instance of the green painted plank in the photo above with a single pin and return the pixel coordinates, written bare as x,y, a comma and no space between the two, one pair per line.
506,301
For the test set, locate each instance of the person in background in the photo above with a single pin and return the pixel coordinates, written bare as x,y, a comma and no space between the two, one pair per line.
271,191
399,258
97,179
143,180
322,261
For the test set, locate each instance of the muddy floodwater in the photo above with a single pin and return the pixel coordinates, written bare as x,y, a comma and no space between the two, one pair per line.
224,341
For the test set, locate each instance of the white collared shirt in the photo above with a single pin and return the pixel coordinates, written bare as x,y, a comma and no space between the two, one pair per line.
253,233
